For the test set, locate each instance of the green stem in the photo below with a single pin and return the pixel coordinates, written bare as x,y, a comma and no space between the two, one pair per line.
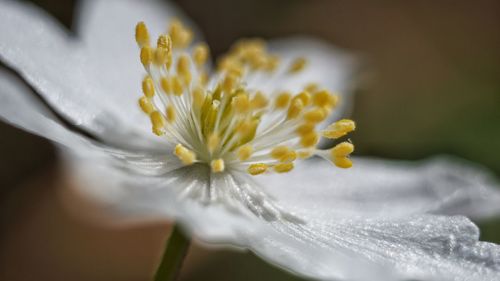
173,256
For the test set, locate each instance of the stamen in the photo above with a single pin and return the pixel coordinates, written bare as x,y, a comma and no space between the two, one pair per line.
146,105
257,169
297,65
339,129
146,56
283,167
185,155
158,123
170,111
282,100
220,118
141,34
217,165
245,152
148,87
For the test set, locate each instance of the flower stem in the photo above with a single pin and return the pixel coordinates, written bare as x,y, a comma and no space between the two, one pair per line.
173,256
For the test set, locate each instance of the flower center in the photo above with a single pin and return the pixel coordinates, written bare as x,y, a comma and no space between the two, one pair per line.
225,120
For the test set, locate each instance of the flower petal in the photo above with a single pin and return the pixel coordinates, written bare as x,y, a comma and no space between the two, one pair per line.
53,63
325,245
327,66
389,188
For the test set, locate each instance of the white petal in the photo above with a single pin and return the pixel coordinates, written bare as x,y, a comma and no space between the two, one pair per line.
327,66
53,63
388,188
19,107
327,246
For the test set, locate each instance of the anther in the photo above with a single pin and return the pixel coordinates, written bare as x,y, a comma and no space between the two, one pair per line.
186,156
316,115
241,104
146,56
297,65
146,105
166,85
217,165
141,34
309,140
295,108
244,152
200,54
213,141
183,68
342,149
158,123
283,167
282,100
257,169
176,85
339,129
148,87
259,101
170,112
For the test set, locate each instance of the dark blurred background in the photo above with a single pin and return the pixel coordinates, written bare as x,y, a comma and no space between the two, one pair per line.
430,84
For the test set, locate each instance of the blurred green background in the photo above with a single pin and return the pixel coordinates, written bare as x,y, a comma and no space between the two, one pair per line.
429,84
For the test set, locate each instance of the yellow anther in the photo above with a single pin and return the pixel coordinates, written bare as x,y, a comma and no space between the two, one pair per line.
304,154
259,101
342,149
283,167
289,157
146,55
162,56
342,162
183,68
316,115
213,141
309,140
244,152
282,100
148,87
146,105
247,130
272,63
229,83
198,98
324,99
164,41
166,85
311,87
200,54
305,129
339,129
217,165
279,152
170,112
158,122
295,108
257,169
305,97
181,35
241,104
142,34
297,65
186,156
176,85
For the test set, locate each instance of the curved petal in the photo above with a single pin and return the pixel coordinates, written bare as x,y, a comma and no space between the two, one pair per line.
329,67
44,54
325,245
389,188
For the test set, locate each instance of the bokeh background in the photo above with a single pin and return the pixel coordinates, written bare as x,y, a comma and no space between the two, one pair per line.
429,84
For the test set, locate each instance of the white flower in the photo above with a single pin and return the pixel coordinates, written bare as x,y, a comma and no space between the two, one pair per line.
378,219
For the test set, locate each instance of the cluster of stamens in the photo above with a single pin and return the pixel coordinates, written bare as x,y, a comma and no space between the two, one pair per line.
224,122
